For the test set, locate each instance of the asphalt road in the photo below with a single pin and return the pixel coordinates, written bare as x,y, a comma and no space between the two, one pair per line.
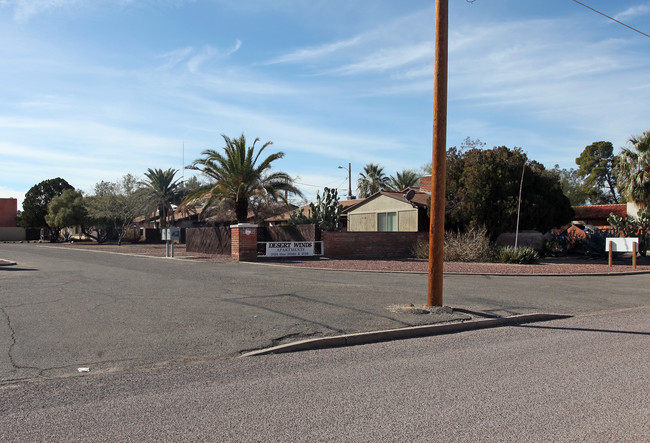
62,309
580,379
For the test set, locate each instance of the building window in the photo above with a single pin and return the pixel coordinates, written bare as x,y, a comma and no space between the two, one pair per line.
387,221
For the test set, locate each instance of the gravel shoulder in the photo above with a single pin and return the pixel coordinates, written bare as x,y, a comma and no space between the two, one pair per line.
572,265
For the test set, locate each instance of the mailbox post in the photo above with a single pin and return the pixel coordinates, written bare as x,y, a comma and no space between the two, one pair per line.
170,235
622,244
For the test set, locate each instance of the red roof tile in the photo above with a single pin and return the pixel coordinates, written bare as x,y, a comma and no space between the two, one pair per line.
599,211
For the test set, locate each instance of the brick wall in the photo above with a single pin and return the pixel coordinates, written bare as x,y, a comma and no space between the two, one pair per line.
425,183
370,244
244,242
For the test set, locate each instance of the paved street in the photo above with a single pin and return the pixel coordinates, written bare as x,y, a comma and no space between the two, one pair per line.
63,309
580,379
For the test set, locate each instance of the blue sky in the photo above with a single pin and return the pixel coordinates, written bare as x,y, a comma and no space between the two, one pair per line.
93,89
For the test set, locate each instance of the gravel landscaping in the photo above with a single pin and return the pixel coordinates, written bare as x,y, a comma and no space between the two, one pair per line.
555,265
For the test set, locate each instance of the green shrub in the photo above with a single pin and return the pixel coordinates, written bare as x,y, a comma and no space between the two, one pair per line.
521,256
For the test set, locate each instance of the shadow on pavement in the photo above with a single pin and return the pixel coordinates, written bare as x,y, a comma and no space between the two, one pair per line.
612,331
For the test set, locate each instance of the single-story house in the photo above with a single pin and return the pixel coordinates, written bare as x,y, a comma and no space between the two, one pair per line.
390,211
596,215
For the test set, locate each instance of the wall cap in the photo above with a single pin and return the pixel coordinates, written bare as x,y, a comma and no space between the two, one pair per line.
244,225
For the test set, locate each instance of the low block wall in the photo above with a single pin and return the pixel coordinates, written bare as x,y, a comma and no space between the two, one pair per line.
533,240
370,244
12,234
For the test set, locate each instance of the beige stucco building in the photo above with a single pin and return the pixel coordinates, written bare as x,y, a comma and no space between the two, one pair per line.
388,211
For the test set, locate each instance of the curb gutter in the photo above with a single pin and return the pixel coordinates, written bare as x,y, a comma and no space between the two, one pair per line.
363,338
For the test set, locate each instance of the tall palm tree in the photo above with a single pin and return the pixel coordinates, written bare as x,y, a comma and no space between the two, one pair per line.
634,170
403,180
237,177
371,180
160,191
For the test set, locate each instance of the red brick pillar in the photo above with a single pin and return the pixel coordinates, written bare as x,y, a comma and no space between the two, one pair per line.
243,238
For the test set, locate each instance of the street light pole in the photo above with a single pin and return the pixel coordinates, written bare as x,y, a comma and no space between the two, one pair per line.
439,159
349,180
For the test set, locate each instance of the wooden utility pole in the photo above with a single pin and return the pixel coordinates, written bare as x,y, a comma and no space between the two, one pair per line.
439,160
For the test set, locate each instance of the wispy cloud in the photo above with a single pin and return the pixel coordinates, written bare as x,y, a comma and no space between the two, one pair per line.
634,11
193,59
307,54
390,59
205,54
234,49
26,9
175,57
404,41
548,77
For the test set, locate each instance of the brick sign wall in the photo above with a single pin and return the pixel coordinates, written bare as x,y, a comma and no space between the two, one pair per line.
370,244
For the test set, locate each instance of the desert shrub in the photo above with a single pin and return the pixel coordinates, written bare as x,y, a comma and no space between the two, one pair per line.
420,250
555,246
521,256
131,235
472,245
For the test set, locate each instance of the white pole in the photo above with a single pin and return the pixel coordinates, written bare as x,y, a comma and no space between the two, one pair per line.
521,185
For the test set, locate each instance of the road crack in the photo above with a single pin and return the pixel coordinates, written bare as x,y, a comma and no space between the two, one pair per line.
12,344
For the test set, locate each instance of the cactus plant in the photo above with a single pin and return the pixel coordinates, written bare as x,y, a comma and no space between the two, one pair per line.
325,213
628,227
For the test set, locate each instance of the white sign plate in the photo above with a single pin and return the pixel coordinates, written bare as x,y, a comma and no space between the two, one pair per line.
290,249
621,244
171,234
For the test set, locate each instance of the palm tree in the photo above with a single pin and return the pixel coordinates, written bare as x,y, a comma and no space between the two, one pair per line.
371,180
403,180
160,192
634,170
238,177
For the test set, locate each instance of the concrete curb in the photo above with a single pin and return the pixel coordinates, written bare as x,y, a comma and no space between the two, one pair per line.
363,338
490,274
